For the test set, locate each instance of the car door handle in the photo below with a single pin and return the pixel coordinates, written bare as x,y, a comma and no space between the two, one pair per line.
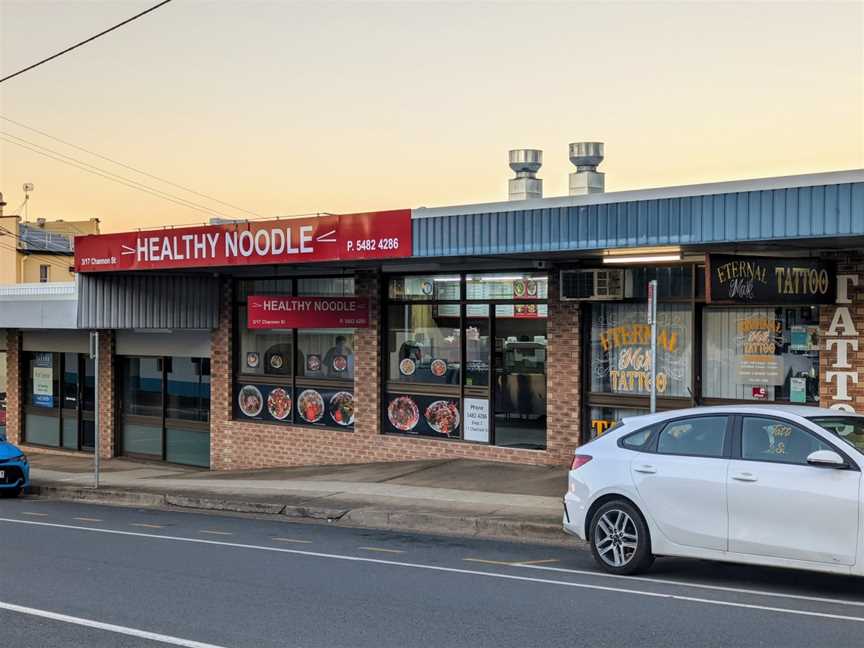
744,476
645,468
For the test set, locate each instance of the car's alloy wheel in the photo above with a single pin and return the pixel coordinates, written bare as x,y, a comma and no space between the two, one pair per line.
620,540
616,538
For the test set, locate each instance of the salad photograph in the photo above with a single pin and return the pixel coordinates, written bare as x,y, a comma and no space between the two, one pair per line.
342,408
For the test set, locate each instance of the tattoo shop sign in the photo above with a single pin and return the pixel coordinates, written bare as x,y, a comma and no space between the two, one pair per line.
841,344
761,280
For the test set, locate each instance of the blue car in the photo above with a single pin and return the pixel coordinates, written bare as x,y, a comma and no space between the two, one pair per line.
14,469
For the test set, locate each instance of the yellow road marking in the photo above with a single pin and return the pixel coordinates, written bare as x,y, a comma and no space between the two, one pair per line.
487,562
34,514
222,533
84,519
146,526
382,550
293,540
511,563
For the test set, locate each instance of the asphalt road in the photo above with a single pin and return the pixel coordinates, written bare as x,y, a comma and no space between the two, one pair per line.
85,575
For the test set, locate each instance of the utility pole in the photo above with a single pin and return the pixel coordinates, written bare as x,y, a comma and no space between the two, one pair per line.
652,320
94,355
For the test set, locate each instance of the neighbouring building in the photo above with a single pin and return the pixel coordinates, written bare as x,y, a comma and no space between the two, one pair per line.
41,251
510,331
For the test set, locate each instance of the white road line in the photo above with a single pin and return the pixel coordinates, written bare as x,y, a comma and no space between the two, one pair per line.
665,581
109,627
450,570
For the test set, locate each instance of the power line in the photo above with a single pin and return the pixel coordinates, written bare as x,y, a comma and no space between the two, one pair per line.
84,42
84,166
127,166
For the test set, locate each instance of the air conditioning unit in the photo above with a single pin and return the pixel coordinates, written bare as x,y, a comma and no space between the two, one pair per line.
594,285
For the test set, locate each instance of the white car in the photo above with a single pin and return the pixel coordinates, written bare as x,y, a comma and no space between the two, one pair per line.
759,484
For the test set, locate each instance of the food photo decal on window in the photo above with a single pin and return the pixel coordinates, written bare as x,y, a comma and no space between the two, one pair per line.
424,415
274,404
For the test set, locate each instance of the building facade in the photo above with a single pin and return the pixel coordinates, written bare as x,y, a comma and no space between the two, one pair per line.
41,251
508,332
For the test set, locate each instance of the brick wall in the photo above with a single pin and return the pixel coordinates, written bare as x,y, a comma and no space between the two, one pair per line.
107,404
236,445
14,387
841,348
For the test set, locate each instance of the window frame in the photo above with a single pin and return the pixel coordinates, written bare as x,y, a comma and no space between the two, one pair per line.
292,382
737,445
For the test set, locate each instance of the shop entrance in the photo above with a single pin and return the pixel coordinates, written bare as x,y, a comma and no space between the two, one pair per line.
164,408
60,399
520,380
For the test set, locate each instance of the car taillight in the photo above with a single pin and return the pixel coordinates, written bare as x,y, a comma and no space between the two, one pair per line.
579,461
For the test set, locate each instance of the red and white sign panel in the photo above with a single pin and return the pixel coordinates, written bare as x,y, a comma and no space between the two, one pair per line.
374,235
306,312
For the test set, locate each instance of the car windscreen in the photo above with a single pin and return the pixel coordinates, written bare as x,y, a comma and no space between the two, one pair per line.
849,429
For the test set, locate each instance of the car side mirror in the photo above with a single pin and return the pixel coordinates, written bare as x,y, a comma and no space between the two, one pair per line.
826,458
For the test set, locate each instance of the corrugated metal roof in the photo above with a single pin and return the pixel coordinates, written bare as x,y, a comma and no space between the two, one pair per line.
798,212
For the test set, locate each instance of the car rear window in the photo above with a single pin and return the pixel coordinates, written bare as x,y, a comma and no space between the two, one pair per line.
637,440
849,429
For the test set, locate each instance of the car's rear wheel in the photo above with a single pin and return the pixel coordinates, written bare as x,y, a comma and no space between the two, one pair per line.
620,541
10,492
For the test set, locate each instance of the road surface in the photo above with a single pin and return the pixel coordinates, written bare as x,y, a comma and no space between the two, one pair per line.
85,575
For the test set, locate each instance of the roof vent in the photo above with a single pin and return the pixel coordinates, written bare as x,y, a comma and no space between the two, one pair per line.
526,163
587,179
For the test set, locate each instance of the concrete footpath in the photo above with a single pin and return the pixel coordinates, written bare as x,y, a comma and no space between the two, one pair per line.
460,497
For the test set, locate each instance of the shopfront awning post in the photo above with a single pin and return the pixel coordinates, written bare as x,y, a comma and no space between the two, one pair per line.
652,320
94,355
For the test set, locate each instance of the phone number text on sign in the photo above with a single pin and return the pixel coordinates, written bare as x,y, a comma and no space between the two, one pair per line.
370,245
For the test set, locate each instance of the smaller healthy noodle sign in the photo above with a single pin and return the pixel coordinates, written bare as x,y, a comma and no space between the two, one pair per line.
307,312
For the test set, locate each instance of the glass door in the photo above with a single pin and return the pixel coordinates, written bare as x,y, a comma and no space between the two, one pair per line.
519,362
475,408
141,406
88,403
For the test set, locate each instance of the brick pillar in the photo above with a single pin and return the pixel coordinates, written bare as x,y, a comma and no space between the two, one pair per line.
841,348
15,376
563,371
367,359
221,390
107,402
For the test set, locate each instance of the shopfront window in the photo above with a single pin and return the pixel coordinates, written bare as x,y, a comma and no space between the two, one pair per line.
769,354
300,376
469,366
325,353
423,345
604,419
489,286
425,287
621,349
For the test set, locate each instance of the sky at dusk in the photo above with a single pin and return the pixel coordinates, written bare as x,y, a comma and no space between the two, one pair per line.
296,107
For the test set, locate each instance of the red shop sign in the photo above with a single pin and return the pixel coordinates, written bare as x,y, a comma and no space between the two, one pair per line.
374,235
306,312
